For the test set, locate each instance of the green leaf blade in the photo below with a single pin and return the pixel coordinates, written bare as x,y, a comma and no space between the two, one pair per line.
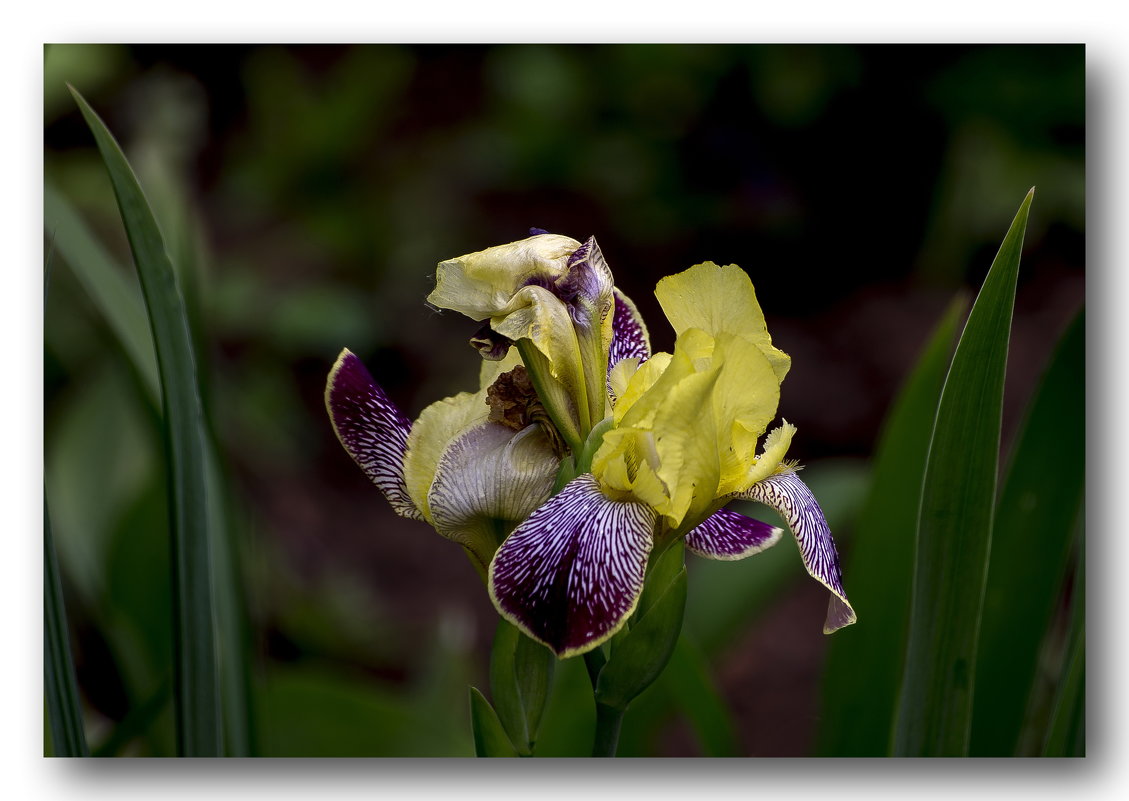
1066,732
195,675
639,658
521,674
955,523
864,662
490,739
64,712
1038,505
119,301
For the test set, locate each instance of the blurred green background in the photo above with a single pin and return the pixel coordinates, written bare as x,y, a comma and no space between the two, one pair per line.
306,195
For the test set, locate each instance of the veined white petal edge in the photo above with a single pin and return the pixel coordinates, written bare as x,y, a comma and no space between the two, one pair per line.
370,428
790,496
728,536
489,479
629,335
571,575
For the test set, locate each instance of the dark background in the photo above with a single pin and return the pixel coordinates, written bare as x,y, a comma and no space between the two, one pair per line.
860,186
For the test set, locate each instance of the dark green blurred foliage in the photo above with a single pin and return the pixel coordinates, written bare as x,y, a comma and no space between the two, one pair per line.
306,194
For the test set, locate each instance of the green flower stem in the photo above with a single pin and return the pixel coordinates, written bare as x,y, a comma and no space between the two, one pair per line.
609,719
608,722
595,660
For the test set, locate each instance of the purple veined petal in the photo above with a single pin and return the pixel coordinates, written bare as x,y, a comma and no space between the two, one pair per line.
790,496
371,429
571,574
728,536
629,335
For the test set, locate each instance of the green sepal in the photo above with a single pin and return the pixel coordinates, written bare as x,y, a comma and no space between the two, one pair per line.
490,738
521,675
639,656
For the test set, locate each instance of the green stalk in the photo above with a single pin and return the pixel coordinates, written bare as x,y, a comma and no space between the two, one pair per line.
609,720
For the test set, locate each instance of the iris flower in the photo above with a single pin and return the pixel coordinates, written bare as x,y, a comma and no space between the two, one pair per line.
583,455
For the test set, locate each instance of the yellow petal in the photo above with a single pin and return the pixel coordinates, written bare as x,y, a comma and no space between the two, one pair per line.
626,464
480,284
744,400
772,455
685,431
640,381
719,300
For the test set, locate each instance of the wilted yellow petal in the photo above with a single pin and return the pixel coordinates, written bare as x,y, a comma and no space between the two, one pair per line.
479,284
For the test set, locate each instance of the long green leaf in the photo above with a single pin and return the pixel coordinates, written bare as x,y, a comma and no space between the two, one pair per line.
1031,545
110,288
954,531
64,712
641,656
521,674
195,674
490,739
1066,733
864,663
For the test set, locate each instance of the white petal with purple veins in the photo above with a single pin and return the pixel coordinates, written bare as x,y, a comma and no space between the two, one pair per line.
370,427
629,334
790,496
728,536
489,479
571,574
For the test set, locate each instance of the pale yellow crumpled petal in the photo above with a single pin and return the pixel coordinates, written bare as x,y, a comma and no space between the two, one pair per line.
480,284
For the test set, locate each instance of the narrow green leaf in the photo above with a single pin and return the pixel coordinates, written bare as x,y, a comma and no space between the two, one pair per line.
1066,734
692,687
864,662
954,531
116,297
521,674
233,633
640,657
1040,500
490,738
195,675
64,712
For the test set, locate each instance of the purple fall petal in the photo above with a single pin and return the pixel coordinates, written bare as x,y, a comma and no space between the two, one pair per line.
372,430
728,536
790,496
629,336
571,574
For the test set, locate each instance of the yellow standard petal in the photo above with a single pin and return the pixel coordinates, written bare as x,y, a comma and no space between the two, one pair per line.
719,300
